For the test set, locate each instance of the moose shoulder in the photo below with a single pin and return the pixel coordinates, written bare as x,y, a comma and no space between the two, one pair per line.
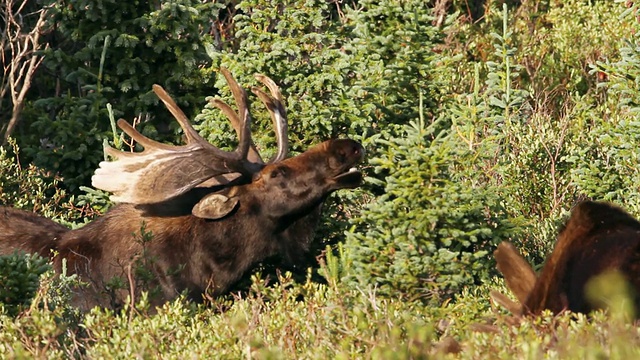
199,217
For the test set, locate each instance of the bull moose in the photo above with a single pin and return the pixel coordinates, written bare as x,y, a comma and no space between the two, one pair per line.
598,238
211,214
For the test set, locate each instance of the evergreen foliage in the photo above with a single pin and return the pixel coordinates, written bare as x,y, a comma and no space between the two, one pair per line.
19,280
607,168
430,233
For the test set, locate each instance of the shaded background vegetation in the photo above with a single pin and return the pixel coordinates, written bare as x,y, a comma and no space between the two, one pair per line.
483,121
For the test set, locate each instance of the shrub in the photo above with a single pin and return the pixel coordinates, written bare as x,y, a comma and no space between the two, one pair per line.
27,187
20,279
607,165
432,230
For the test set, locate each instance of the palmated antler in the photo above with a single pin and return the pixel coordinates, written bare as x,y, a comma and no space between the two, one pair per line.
161,172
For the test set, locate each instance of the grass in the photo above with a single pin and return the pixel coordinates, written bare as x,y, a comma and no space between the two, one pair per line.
314,321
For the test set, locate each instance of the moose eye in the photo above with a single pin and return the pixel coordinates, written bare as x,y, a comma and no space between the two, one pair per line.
279,171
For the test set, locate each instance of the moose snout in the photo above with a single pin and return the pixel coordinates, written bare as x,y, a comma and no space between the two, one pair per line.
346,154
349,150
357,151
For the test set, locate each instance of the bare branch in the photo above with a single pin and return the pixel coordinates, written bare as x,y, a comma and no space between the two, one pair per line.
20,57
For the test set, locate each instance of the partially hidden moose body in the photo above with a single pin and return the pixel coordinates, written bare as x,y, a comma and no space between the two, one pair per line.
598,239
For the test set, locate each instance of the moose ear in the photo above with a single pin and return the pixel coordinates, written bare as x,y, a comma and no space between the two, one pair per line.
518,274
214,206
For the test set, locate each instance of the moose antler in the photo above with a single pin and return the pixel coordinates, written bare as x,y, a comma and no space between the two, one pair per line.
161,172
278,114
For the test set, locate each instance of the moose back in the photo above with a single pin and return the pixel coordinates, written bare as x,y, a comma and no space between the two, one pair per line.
193,216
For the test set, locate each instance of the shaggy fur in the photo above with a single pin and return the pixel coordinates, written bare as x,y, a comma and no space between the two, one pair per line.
597,238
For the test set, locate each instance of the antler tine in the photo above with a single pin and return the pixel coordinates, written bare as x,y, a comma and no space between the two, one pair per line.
234,119
147,143
515,308
278,114
240,96
191,134
141,139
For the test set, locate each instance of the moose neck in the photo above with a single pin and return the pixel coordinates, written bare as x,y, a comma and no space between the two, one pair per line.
257,235
276,213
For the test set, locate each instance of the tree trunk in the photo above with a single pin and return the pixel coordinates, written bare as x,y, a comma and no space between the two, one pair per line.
17,110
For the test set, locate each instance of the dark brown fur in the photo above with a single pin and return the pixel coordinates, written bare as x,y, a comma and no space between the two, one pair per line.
277,212
597,238
26,231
